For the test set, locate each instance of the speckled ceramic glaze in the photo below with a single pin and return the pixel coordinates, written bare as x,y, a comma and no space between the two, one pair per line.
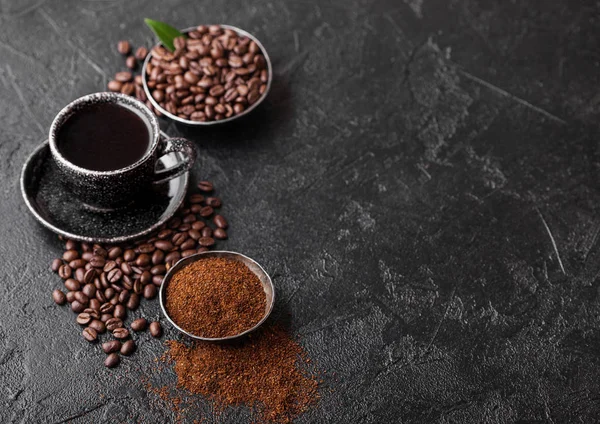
118,188
56,208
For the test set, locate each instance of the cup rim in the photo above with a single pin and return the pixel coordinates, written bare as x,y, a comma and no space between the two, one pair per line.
118,98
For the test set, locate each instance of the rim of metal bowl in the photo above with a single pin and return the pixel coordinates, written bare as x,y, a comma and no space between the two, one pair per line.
219,254
221,121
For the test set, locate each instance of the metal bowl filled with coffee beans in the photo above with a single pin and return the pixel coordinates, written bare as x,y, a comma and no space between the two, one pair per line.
217,74
216,295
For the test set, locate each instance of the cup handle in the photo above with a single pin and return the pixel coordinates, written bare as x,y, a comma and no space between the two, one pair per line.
175,145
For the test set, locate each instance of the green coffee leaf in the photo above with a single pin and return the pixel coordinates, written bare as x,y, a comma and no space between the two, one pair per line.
165,32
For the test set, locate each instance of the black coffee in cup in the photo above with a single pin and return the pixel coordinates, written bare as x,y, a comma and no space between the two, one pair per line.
104,137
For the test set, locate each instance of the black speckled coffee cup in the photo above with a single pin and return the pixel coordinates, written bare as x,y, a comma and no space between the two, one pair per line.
113,189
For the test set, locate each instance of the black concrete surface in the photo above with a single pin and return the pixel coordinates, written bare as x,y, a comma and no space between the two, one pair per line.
422,183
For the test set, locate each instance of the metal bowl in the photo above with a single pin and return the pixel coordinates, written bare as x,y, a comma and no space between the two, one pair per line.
176,118
250,263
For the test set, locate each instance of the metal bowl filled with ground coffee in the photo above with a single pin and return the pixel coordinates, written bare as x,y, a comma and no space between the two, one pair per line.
216,75
217,295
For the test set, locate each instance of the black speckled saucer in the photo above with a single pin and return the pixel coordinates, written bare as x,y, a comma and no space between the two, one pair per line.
56,209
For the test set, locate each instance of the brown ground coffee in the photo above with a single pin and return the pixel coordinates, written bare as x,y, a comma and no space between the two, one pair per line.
215,297
264,372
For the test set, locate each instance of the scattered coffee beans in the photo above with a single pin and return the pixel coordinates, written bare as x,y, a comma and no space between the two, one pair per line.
103,283
155,329
229,294
112,360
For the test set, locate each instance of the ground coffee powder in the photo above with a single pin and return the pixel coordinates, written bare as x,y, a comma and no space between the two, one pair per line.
215,297
263,372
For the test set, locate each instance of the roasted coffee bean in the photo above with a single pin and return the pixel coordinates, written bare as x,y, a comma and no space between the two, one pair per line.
99,250
81,297
139,324
71,245
72,284
114,86
112,360
124,47
138,287
143,260
179,238
120,312
184,228
107,308
198,225
129,255
98,325
79,274
92,312
162,235
56,263
114,275
124,76
95,303
133,302
100,296
89,276
155,329
83,318
90,334
131,62
215,202
150,291
98,261
202,249
220,221
59,297
145,277
158,269
188,252
194,234
158,257
206,241
173,257
111,346
164,245
109,266
220,234
114,252
205,186
114,323
207,232
188,244
196,198
126,268
128,348
70,255
157,280
105,317
64,272
141,53
124,296
89,290
109,293
120,333
146,248
70,296
77,263
114,300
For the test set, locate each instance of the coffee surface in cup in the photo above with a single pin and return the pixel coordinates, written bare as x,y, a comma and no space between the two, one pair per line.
103,137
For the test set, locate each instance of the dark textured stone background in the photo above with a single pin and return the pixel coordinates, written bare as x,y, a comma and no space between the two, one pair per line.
422,183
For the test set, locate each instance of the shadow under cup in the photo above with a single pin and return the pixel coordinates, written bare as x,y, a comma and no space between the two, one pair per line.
96,163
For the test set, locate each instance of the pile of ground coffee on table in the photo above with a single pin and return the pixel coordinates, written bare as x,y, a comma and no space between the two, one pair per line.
215,297
263,372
